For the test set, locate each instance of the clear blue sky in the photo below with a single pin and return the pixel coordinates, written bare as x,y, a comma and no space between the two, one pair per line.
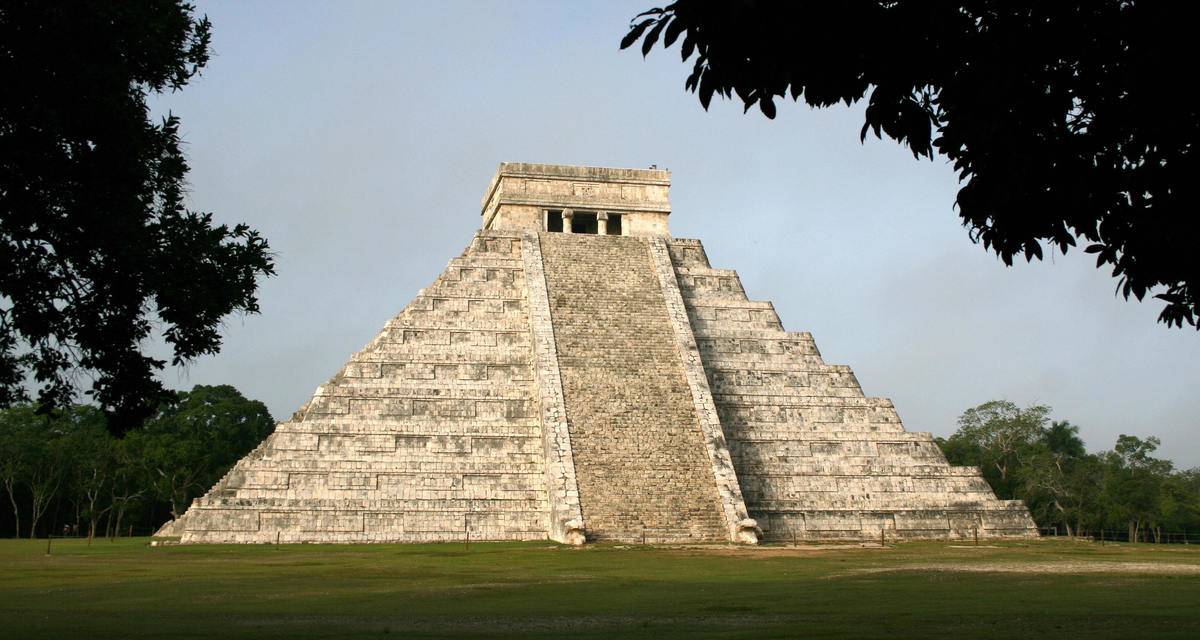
359,137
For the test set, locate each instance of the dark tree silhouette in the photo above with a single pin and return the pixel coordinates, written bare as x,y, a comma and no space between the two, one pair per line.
97,251
1067,121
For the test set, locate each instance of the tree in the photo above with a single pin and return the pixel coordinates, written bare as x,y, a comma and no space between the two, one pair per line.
1062,118
1136,483
93,464
1049,468
126,488
1062,440
64,465
97,252
40,452
1050,476
18,442
1181,502
1001,434
191,442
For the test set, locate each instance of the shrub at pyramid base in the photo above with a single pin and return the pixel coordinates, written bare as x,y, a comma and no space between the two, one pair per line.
578,375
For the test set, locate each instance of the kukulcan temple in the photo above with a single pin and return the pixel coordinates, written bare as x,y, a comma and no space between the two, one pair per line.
579,375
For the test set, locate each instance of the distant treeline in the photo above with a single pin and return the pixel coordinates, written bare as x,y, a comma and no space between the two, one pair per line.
1026,456
63,473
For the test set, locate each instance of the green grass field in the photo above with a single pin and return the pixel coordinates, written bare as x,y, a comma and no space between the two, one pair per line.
1042,589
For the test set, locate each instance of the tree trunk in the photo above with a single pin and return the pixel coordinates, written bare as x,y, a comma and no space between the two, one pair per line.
35,515
40,504
112,514
8,486
91,496
42,495
175,496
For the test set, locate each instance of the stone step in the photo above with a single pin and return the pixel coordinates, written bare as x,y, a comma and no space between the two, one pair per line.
770,361
432,337
482,321
396,498
485,307
453,287
754,470
420,377
662,536
458,505
878,502
728,309
703,327
383,354
768,392
486,260
405,425
415,381
813,431
687,253
739,334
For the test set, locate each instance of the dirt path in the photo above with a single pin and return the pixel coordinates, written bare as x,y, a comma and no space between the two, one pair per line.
1051,567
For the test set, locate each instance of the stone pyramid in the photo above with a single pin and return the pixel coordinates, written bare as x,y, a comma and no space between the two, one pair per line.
579,375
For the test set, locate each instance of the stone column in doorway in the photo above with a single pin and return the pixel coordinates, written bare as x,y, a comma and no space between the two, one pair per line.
602,223
566,215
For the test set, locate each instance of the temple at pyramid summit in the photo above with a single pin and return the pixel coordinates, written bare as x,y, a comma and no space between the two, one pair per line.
579,375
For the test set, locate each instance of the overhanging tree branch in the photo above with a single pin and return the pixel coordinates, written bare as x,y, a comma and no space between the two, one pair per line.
1062,119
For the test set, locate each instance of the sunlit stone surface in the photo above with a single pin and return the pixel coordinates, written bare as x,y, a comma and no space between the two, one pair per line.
579,375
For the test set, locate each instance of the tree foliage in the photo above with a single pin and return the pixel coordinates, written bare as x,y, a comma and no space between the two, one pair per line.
1023,455
65,466
97,251
189,443
40,450
1063,119
1002,433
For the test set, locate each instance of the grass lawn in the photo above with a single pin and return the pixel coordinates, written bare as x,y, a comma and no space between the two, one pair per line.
1041,589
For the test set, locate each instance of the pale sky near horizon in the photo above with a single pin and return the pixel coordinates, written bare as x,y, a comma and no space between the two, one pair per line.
358,137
